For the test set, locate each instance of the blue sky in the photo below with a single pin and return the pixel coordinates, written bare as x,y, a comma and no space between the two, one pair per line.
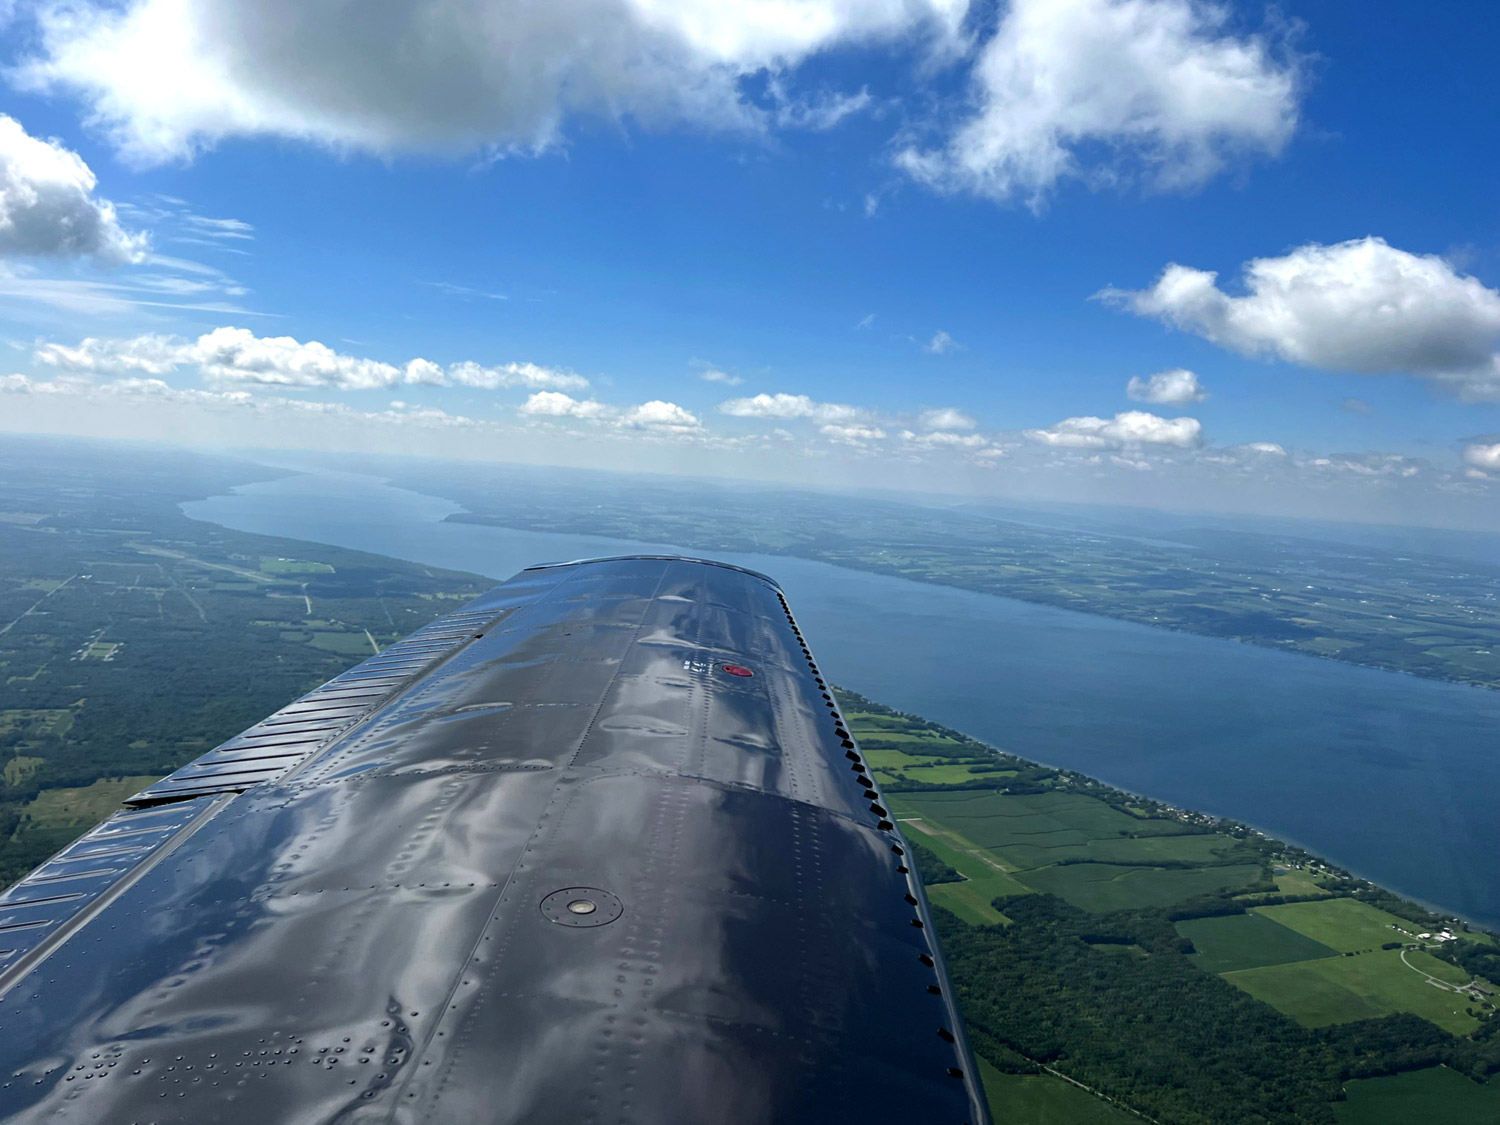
798,195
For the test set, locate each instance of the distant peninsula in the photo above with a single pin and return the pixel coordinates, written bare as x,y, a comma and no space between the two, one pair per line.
1422,614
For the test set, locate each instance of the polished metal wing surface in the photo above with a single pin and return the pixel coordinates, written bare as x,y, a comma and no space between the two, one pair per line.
597,848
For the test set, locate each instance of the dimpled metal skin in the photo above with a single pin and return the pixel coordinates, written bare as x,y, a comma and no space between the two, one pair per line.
362,938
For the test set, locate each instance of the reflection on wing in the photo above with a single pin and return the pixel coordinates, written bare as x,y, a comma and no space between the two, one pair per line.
598,848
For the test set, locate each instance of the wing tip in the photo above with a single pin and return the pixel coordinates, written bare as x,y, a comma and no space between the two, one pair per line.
766,578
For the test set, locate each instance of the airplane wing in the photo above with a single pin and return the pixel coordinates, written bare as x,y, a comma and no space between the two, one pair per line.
598,847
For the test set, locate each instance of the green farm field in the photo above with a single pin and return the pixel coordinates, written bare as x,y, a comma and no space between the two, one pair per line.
972,899
951,848
1435,1096
17,770
932,743
1298,883
345,644
1344,924
1053,820
1099,888
80,806
1364,986
893,765
1204,848
1040,1099
34,722
878,725
1031,834
1247,941
983,879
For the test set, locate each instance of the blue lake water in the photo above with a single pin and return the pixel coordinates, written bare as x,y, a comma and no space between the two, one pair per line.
1392,776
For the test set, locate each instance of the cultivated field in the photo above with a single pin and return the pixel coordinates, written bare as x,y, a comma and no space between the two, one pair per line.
1247,941
1040,1099
1344,924
1435,1096
1072,845
898,765
984,877
1362,986
82,806
1099,887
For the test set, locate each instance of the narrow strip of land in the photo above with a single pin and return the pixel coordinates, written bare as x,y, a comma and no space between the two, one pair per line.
250,575
33,607
958,843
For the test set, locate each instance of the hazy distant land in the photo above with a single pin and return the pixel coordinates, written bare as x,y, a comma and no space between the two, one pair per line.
1114,956
1422,613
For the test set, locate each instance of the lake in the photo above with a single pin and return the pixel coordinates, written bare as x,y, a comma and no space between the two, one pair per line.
1391,776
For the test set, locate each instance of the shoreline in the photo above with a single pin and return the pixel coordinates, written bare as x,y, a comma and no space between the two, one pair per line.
476,519
996,732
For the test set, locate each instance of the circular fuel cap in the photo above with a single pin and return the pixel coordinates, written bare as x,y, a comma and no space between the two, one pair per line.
582,907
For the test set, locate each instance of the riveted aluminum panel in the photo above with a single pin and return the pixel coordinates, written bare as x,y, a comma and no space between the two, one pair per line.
361,937
35,910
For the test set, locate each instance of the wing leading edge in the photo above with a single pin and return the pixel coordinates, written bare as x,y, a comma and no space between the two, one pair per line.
599,847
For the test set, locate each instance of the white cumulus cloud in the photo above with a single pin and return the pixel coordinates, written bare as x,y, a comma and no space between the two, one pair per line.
657,414
939,438
160,392
168,78
1177,387
48,207
947,418
238,355
1361,306
528,375
1133,427
852,434
1484,456
792,406
26,385
1093,88
555,404
152,354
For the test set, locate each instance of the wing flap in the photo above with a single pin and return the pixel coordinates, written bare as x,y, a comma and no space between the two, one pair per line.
43,905
275,746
